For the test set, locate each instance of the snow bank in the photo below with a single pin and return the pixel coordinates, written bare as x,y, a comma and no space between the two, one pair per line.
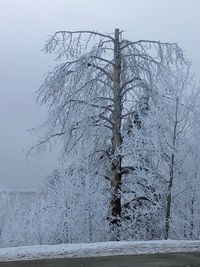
41,252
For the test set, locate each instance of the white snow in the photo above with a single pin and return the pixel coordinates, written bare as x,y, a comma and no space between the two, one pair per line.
41,252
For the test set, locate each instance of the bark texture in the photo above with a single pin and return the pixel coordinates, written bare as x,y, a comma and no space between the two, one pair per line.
116,207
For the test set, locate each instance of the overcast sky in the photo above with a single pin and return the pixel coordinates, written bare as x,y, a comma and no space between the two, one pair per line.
26,24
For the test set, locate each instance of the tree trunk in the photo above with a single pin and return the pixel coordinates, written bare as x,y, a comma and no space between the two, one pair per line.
169,199
116,143
171,176
192,218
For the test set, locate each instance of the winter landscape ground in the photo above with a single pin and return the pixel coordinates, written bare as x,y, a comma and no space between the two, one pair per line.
128,254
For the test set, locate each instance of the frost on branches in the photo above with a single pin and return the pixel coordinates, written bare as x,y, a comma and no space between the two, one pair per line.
125,114
106,98
99,97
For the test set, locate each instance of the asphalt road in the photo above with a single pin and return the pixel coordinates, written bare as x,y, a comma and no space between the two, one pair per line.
158,260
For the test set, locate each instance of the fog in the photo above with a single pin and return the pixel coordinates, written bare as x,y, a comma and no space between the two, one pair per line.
24,27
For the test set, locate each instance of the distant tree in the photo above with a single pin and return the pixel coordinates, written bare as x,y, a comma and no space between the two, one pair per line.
99,92
186,198
4,208
177,104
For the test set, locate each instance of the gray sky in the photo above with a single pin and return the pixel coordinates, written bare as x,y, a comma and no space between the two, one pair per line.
26,24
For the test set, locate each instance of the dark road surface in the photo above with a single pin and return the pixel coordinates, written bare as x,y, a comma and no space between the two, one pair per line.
158,260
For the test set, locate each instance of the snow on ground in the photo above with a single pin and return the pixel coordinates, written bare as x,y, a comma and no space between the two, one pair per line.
41,252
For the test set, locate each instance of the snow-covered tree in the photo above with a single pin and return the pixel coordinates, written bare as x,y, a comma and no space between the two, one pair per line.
103,84
187,201
177,102
4,204
79,206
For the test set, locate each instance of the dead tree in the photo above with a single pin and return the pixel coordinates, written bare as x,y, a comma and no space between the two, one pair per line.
99,80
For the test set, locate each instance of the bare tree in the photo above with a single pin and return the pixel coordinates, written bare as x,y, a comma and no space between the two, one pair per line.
101,83
178,104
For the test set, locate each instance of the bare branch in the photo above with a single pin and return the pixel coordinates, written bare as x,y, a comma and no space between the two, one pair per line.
128,114
104,60
142,198
129,81
85,32
106,119
127,169
128,43
101,69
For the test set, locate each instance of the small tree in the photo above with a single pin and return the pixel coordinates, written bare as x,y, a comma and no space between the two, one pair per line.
177,102
187,199
103,84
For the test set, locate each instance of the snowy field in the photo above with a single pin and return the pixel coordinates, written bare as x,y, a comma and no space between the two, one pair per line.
74,254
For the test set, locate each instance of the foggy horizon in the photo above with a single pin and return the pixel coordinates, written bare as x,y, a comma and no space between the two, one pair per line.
24,27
